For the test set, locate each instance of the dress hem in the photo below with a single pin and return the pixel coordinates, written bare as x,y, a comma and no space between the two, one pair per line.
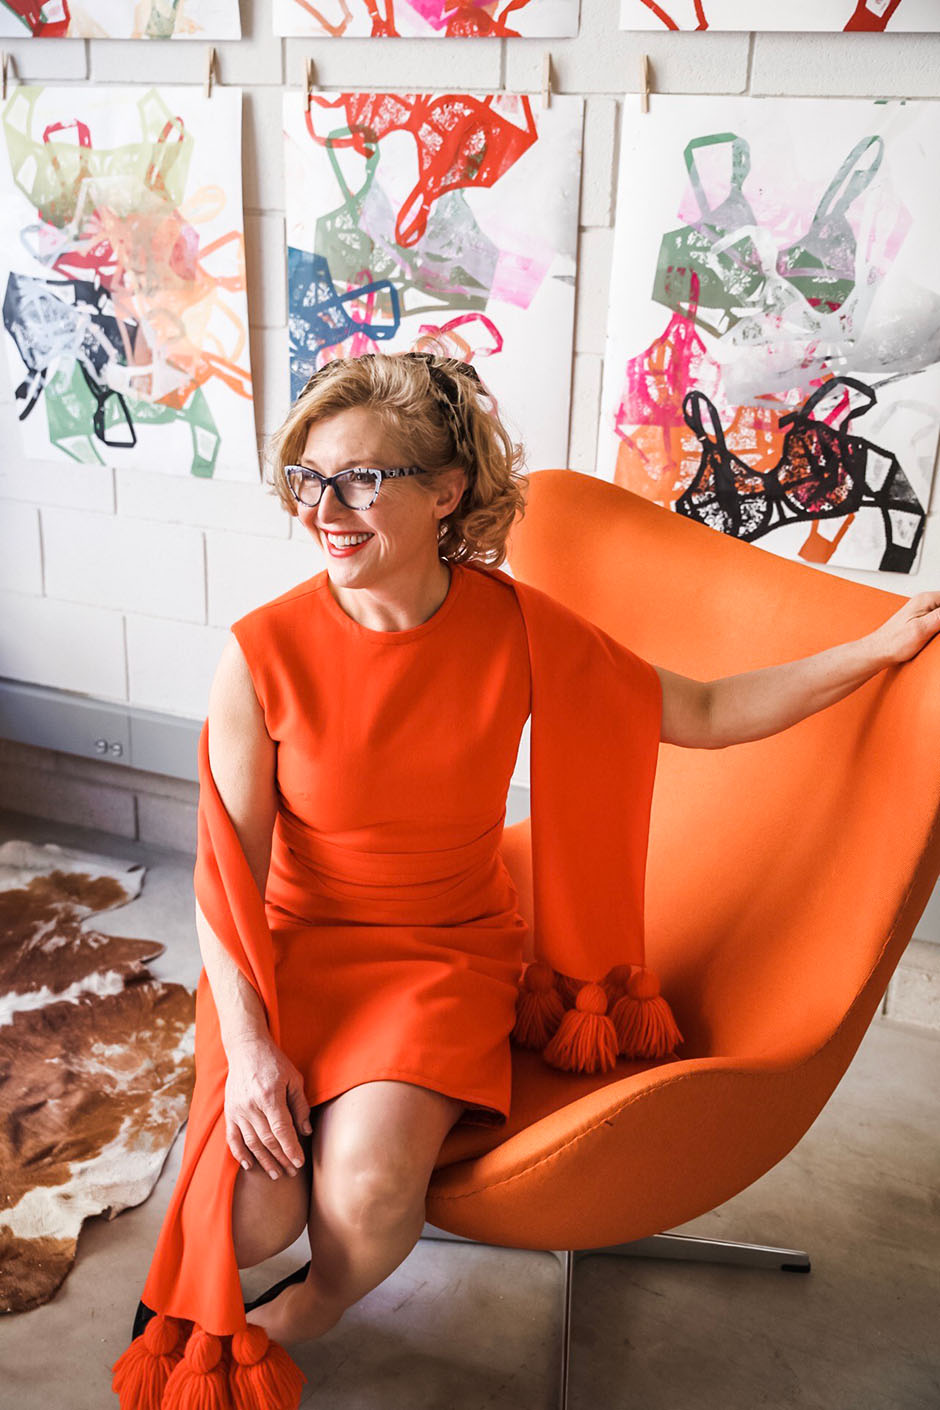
478,1105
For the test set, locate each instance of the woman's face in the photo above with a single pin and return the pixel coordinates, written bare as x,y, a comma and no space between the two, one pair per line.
403,521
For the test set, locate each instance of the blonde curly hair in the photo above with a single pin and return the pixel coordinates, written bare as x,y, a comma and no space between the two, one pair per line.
440,409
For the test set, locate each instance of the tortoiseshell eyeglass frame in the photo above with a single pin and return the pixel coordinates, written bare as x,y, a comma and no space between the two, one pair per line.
306,473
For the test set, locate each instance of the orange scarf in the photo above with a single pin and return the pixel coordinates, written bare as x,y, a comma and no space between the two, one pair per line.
596,710
596,714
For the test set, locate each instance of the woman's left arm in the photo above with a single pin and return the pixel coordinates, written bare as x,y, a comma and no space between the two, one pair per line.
754,704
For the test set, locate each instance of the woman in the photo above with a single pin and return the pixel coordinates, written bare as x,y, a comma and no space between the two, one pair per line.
362,731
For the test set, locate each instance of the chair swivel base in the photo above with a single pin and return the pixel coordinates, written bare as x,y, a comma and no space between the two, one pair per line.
684,1247
676,1246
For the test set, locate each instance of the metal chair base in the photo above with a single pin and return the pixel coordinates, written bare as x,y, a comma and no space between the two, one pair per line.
677,1246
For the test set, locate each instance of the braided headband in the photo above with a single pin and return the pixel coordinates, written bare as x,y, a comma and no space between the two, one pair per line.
442,384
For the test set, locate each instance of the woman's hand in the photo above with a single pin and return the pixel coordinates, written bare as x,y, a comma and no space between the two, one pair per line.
911,627
265,1106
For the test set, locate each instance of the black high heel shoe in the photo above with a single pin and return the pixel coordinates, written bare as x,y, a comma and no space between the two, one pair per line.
143,1316
298,1276
145,1313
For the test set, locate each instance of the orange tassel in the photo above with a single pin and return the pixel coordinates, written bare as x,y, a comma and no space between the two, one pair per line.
200,1380
262,1375
645,1025
586,1039
141,1371
539,1007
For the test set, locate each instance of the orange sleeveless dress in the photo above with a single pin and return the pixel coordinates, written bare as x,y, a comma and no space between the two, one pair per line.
397,940
389,942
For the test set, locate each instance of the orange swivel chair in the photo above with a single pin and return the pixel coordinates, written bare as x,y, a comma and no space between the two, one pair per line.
784,879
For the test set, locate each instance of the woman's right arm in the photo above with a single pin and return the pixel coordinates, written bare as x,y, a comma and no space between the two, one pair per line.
264,1090
242,757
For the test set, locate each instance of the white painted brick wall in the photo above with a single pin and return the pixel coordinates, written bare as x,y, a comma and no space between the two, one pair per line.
170,663
63,644
142,565
601,117
89,487
266,259
190,499
270,371
133,61
51,61
454,64
847,65
275,567
603,59
20,549
262,148
595,251
585,409
144,571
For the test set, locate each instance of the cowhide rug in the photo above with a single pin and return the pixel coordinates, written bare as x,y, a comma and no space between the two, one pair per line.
96,1061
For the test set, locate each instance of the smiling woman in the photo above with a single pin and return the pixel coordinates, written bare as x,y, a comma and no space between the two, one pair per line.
365,963
366,798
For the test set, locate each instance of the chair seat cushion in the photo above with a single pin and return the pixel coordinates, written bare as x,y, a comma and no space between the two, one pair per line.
538,1090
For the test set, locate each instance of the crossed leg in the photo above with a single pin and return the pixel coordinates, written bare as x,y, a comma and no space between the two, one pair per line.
361,1193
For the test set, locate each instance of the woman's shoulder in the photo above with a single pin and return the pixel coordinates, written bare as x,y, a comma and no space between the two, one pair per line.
488,582
266,614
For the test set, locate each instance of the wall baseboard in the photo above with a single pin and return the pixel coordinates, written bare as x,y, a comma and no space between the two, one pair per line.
99,729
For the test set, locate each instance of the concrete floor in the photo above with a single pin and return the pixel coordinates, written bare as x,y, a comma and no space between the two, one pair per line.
468,1327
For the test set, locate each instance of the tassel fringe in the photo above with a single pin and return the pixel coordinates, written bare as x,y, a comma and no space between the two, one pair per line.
176,1365
586,1039
539,1007
140,1373
199,1381
644,1021
581,1026
262,1374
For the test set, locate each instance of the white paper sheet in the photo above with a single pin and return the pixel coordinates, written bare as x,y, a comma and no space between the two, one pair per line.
764,248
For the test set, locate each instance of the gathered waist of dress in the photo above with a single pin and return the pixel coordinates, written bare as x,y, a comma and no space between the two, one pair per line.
343,863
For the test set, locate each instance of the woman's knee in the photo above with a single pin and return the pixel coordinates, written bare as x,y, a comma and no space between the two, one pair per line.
375,1150
374,1197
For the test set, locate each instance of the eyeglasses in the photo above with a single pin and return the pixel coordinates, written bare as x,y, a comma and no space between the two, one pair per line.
357,488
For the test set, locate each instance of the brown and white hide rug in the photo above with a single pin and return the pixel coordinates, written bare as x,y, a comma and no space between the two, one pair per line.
96,1061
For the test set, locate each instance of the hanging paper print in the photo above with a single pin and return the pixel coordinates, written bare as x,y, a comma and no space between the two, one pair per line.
773,352
426,19
853,16
124,304
432,222
120,19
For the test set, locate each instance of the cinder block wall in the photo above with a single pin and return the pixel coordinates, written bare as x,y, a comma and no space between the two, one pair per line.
121,583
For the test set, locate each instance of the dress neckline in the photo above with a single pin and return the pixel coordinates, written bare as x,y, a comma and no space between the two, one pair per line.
409,633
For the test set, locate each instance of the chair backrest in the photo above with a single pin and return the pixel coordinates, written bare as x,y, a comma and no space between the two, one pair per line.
785,874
